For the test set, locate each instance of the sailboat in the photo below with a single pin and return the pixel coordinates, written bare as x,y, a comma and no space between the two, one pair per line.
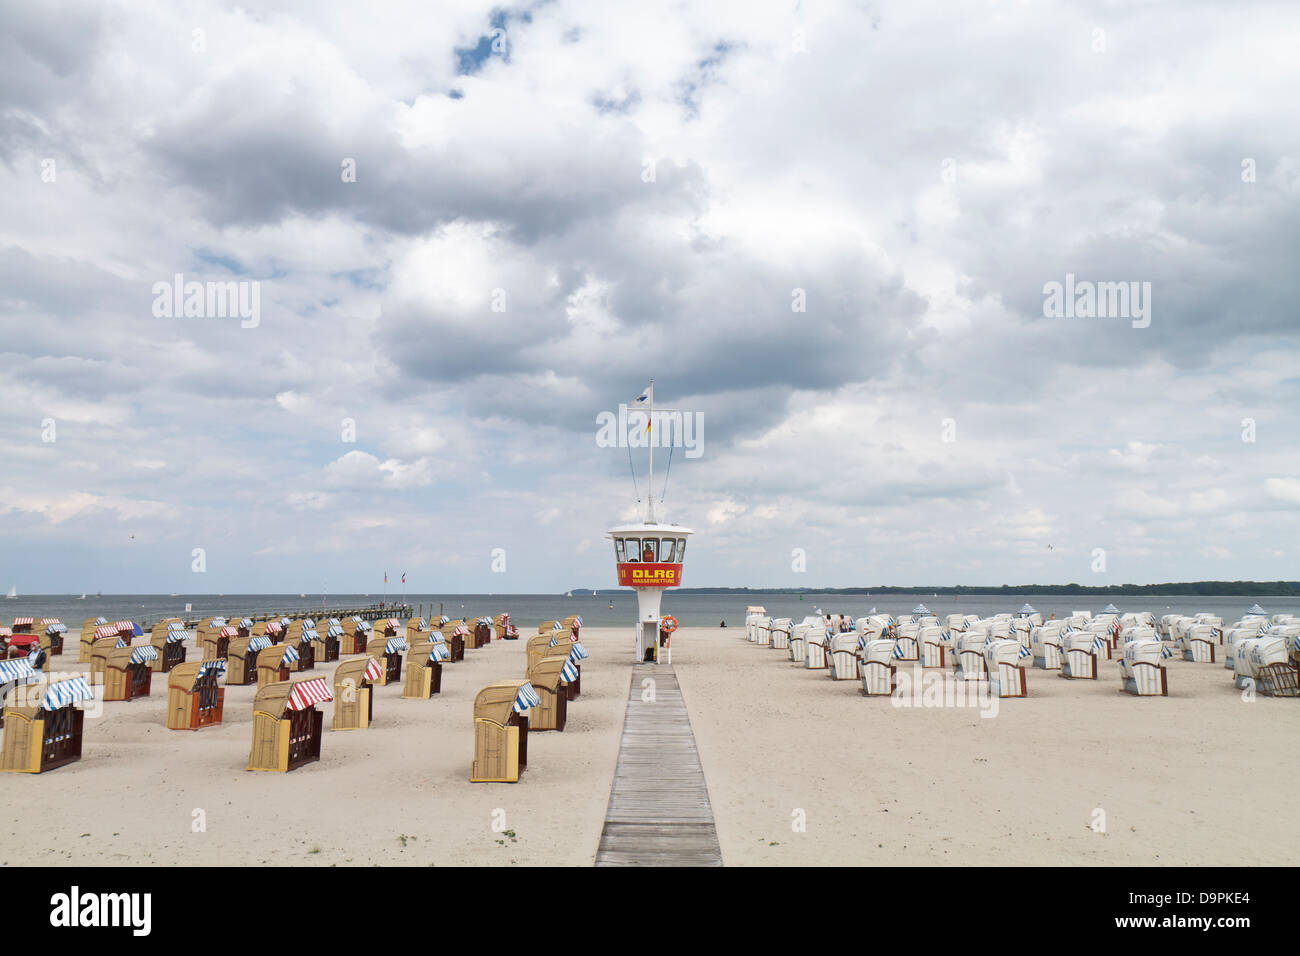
83,596
13,591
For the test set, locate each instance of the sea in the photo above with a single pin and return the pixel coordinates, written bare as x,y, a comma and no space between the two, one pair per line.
612,610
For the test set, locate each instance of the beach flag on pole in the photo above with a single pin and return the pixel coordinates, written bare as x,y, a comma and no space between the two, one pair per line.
646,400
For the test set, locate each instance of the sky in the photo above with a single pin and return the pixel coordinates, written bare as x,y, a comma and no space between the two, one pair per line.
826,231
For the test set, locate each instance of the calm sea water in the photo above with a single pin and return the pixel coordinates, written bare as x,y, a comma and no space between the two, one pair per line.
691,610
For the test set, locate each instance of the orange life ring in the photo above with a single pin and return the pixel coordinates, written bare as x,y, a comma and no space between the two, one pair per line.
669,623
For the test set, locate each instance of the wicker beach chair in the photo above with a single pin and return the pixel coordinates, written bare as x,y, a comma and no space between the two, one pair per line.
424,669
969,654
287,727
878,667
501,720
1004,662
815,640
1081,651
1198,641
43,725
127,674
1141,668
908,646
843,651
546,678
1045,645
354,700
194,698
936,645
388,651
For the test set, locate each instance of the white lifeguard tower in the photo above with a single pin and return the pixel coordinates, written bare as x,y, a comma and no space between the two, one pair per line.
648,557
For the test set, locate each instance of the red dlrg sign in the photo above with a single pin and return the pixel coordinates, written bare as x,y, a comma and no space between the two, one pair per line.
650,575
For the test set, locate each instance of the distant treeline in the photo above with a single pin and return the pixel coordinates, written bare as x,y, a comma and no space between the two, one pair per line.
1205,588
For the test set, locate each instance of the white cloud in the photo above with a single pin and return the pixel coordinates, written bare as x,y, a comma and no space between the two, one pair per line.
360,469
1284,489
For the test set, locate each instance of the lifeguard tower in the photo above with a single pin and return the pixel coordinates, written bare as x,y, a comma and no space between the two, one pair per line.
649,558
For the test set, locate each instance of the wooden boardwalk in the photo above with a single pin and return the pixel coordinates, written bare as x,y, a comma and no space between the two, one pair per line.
659,812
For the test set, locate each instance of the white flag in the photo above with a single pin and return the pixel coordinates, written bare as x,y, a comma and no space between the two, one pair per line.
645,398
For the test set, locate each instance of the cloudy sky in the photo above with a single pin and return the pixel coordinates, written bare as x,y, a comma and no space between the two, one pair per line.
473,228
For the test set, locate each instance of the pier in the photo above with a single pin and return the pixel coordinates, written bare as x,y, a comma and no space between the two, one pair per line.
659,812
371,613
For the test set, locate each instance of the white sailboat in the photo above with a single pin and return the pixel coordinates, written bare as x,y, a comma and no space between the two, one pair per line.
13,592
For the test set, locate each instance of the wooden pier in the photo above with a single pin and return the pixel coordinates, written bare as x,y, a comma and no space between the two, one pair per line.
659,812
370,613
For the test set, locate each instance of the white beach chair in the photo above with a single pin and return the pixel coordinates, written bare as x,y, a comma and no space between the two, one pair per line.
970,655
1233,636
780,631
936,645
1264,663
799,639
1174,627
1138,632
1004,659
843,650
815,653
1108,634
1165,626
1198,641
867,627
954,622
883,623
909,644
1045,645
1000,628
1102,621
878,668
1142,669
764,633
1081,650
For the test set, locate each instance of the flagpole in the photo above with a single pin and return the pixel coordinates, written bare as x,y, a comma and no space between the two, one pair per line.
650,496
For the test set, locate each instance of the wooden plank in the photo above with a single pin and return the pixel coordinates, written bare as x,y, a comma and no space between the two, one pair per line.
659,812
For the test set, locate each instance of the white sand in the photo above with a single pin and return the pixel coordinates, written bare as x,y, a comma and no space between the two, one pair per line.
131,797
1199,777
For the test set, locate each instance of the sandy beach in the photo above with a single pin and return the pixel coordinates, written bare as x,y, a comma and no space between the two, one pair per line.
1181,779
1178,778
395,793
